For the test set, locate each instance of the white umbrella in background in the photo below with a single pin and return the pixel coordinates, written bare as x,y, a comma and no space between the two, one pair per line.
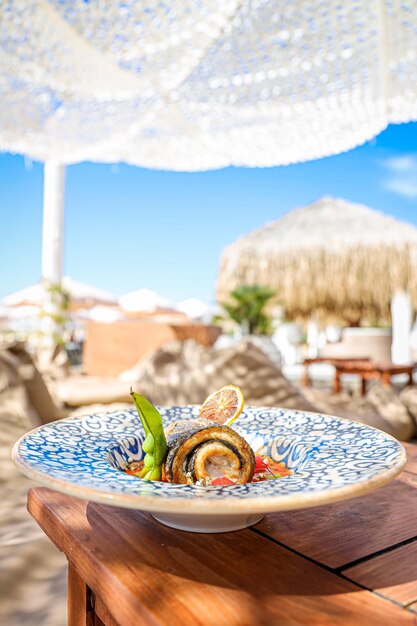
22,312
28,295
196,309
4,312
82,294
144,301
25,319
100,313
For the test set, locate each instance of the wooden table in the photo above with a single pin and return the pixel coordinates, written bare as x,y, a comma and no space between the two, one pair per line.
368,370
306,380
351,564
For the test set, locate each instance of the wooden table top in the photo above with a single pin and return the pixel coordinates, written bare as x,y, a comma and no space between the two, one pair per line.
353,563
336,359
373,366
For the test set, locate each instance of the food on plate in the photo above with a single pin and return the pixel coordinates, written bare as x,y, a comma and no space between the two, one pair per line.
223,406
201,451
155,445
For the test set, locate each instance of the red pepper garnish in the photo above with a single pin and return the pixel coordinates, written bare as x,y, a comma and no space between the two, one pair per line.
223,480
260,465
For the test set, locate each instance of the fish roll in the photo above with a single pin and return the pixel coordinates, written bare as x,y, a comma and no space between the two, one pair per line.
200,450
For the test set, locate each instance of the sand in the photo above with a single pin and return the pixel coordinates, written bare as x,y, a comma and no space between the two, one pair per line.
33,573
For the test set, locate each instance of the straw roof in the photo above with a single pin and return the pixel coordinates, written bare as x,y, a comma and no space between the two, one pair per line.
335,258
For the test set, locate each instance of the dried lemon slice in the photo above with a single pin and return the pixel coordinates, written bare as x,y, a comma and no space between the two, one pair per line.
223,406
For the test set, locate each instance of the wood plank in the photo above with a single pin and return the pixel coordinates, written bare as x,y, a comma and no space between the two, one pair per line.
339,534
154,575
77,599
103,615
393,574
98,622
411,465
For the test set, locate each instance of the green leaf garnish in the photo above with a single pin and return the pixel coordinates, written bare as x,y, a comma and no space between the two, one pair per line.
155,445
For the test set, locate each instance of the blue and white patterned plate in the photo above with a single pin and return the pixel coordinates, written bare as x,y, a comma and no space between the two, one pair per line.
332,459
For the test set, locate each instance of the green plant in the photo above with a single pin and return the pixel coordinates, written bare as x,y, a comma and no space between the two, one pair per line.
247,309
55,312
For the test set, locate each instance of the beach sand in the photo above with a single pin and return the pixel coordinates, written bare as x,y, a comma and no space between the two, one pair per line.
33,573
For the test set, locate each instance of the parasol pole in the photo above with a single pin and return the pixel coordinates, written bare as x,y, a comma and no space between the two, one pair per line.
52,248
312,338
401,312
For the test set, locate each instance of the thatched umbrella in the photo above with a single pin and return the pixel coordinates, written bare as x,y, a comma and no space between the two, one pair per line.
333,258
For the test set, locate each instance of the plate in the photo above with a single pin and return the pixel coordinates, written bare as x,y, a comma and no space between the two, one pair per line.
332,459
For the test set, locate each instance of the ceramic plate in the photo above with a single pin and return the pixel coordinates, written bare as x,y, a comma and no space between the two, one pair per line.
332,459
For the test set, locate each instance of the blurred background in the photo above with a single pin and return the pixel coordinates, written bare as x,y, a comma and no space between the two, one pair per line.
198,194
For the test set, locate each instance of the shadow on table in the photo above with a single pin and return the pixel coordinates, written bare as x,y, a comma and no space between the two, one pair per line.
242,560
371,539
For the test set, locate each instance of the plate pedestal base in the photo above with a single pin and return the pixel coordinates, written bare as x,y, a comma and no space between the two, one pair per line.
207,523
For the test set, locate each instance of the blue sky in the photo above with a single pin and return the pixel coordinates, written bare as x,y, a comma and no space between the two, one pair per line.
127,227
